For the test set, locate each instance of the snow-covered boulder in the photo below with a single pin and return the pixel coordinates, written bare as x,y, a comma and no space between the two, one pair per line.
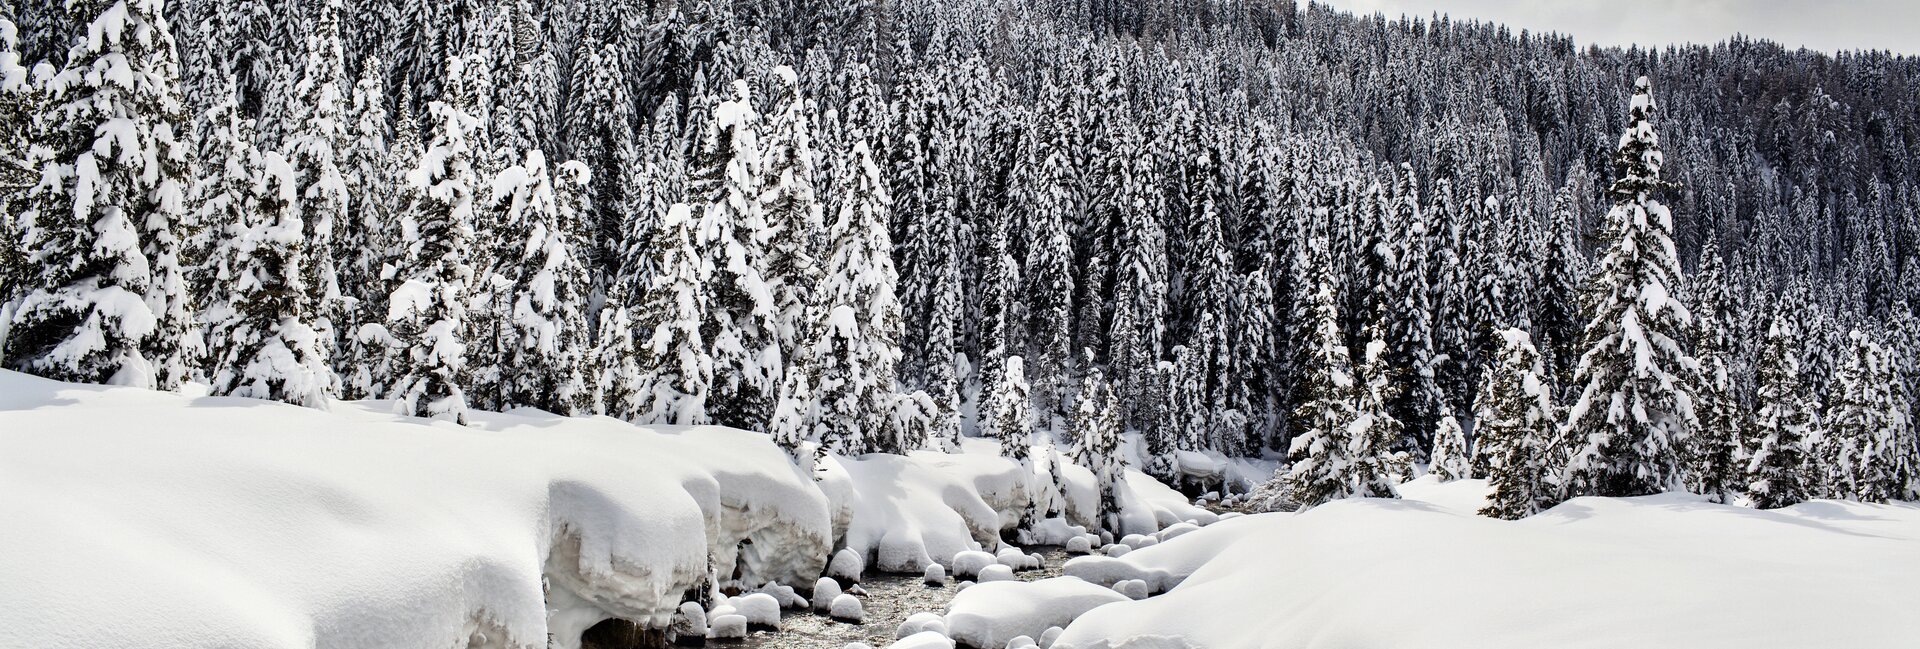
760,609
1132,588
847,566
847,608
690,621
927,640
728,627
786,595
921,622
824,591
967,565
934,575
1017,559
996,572
1116,550
1052,634
990,614
1022,642
1079,545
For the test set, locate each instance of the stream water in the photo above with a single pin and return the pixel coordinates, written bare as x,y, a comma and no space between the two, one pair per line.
888,602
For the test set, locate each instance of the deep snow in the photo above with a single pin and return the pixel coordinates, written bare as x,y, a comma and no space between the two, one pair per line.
143,518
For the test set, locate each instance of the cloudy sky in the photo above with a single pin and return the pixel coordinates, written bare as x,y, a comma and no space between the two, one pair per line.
1829,25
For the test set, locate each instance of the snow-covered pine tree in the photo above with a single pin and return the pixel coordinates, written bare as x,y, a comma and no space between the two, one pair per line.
427,310
1011,407
732,233
1634,412
1869,450
365,240
942,375
1140,280
314,146
1715,451
1000,274
1784,424
19,108
1514,428
1421,404
793,210
1557,304
265,345
107,298
1449,459
676,374
1377,466
1049,196
548,335
1321,460
859,348
1097,427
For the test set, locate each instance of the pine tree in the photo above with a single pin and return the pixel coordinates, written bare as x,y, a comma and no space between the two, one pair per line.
1449,459
942,376
107,299
793,271
860,347
1634,413
548,337
1784,424
314,148
1000,274
1322,459
1377,468
1869,455
20,101
265,346
1011,408
732,233
1097,428
1716,448
427,311
676,374
365,240
1050,280
1514,429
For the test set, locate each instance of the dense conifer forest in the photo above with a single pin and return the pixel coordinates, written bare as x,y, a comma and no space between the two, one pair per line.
1173,230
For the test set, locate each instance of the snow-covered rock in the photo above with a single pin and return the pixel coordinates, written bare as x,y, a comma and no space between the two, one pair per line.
1022,642
847,608
1017,559
690,621
996,572
921,622
934,575
1052,634
990,614
728,627
1116,550
824,591
1174,531
847,566
967,565
926,640
760,609
1079,545
1670,571
1132,588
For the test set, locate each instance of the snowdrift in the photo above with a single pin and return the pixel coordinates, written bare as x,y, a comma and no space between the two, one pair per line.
1660,571
142,518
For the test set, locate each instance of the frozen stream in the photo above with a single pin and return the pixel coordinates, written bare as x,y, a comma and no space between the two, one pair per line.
889,600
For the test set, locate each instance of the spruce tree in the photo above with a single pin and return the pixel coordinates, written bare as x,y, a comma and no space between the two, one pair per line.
547,340
793,270
1321,458
371,170
1634,413
314,146
1377,468
1450,458
19,107
859,348
1716,447
427,310
676,373
1097,427
107,300
1869,455
1514,428
1784,424
732,233
264,345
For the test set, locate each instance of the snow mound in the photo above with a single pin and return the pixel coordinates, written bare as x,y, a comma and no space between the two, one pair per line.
187,521
760,609
926,640
823,593
934,575
904,512
1659,571
921,622
847,608
732,626
991,614
996,572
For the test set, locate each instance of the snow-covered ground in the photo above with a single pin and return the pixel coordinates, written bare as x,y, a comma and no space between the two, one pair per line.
1661,571
142,518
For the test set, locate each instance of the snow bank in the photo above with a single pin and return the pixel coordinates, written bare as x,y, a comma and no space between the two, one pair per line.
990,614
1662,571
154,519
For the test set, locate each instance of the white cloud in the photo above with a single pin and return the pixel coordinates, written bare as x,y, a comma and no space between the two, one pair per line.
1829,25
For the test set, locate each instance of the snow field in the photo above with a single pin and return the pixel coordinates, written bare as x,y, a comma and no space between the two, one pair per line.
153,518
